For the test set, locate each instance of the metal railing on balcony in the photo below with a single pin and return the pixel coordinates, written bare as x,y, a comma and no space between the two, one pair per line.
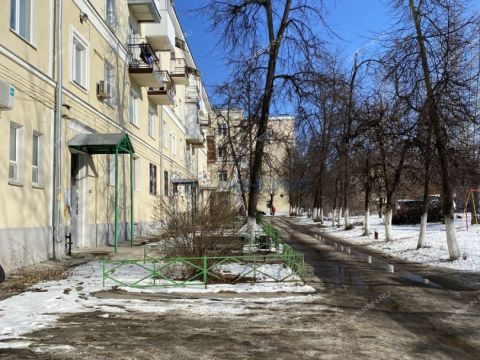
142,57
165,77
179,66
166,89
192,92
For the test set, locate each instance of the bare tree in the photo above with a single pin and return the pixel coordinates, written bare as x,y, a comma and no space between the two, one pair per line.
274,42
431,46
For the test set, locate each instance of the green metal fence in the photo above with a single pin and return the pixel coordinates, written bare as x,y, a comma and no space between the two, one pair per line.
183,271
158,270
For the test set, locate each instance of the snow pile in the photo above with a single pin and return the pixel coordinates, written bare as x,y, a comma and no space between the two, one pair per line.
404,245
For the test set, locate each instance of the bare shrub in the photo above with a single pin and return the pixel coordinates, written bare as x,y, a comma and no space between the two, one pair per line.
211,230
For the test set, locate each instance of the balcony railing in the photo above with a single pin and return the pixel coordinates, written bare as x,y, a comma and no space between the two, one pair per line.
179,67
142,56
164,95
192,93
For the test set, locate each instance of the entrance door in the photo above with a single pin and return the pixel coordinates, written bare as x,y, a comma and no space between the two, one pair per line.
78,200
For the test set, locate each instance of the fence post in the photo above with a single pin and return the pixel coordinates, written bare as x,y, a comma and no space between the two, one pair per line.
103,273
154,274
254,270
205,279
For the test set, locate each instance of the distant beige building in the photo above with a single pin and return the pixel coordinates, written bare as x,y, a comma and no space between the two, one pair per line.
128,84
230,148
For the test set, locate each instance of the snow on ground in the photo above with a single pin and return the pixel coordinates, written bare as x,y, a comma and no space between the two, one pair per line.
41,305
404,245
244,230
267,276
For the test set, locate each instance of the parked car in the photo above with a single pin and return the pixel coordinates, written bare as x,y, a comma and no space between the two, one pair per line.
410,211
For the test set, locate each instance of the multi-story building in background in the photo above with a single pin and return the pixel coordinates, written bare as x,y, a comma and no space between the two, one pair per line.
231,144
101,109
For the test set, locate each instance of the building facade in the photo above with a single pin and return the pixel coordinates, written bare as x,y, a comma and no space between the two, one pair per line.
231,143
126,72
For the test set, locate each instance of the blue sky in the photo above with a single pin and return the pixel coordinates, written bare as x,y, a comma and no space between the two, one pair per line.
356,22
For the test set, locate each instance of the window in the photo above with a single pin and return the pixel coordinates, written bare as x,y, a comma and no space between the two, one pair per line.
222,129
165,182
222,151
153,179
182,151
36,158
110,14
79,61
151,123
133,108
222,176
21,18
110,79
136,174
165,135
111,170
15,156
174,144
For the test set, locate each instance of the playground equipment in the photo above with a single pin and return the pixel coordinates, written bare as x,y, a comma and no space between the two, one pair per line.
470,197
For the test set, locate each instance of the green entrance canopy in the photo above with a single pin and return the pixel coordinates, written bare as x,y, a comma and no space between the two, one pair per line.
101,144
93,144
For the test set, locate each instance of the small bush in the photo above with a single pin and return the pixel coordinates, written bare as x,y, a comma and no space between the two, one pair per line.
350,227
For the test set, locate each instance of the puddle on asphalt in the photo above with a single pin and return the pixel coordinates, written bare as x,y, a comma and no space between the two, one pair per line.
401,275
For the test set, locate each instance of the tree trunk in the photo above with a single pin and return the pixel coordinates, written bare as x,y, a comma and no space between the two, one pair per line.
423,230
275,41
334,215
440,136
380,207
388,223
366,227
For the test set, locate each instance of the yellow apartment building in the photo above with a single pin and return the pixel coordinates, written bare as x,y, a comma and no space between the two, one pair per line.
101,106
231,143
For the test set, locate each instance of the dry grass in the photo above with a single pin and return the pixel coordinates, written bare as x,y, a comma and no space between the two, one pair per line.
25,278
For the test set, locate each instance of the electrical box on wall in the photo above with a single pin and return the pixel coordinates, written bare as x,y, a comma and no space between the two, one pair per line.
7,95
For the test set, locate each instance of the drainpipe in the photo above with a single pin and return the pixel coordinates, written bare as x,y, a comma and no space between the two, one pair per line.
57,132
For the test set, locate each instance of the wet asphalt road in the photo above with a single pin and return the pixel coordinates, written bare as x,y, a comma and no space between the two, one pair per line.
362,310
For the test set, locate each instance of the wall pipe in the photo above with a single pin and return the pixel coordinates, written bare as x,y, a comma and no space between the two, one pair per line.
57,131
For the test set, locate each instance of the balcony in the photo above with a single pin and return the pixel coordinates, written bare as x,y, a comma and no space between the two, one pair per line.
161,35
145,10
143,64
194,135
192,94
179,71
164,95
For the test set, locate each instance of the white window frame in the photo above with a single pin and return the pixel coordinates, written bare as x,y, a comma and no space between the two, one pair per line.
79,40
166,183
133,108
112,99
155,184
223,129
182,151
165,135
37,168
15,20
18,162
221,174
152,119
